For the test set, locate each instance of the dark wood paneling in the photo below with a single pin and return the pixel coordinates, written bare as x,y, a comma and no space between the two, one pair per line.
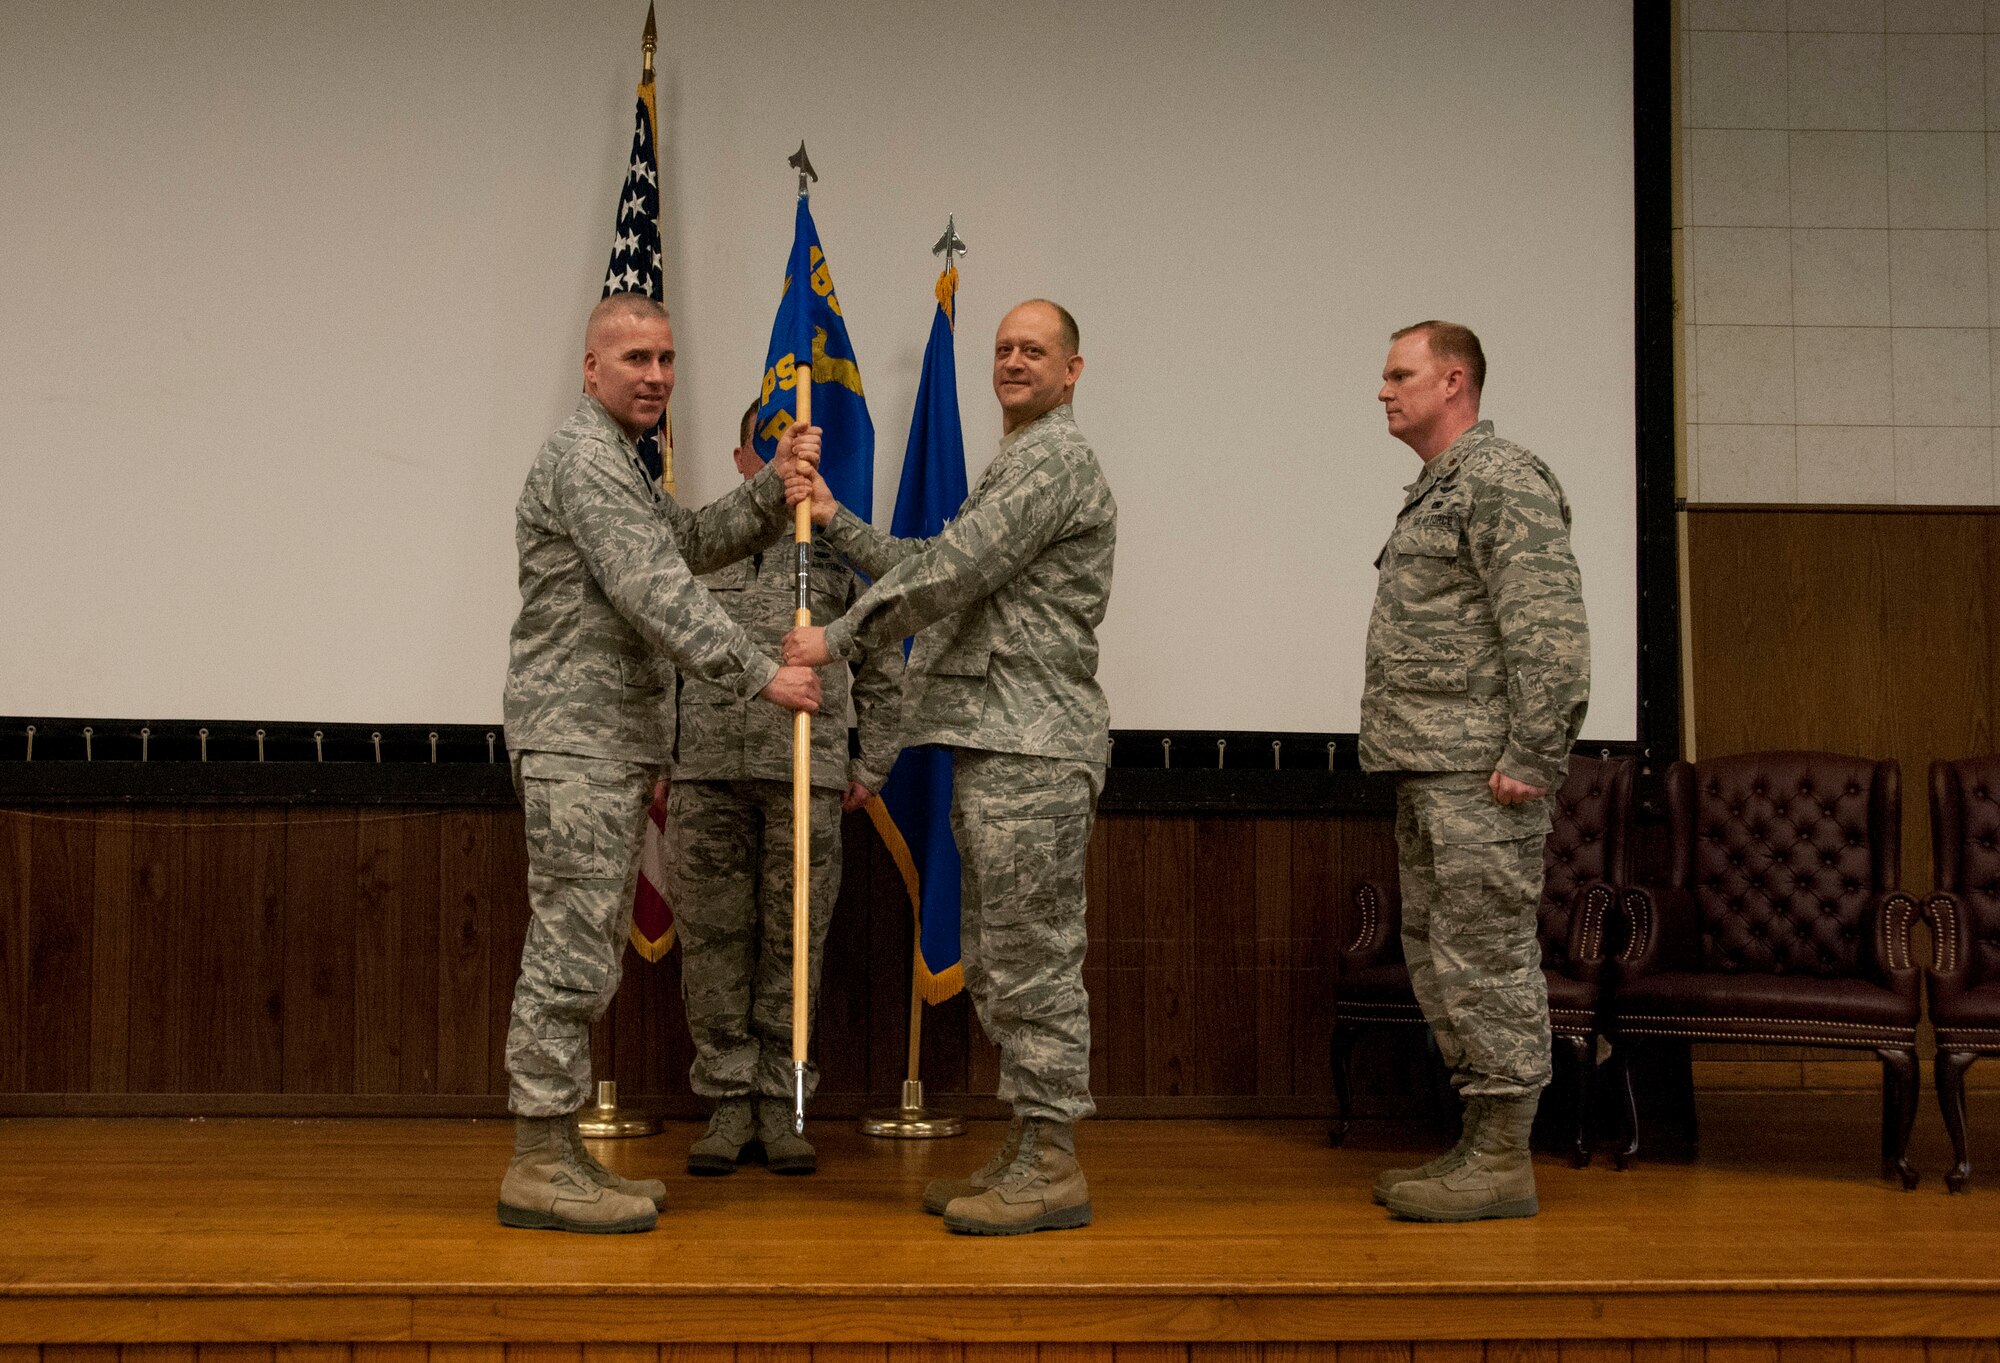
1223,915
1865,631
502,867
63,856
161,1005
465,968
1318,890
307,953
1169,957
1273,954
110,952
237,863
1125,1042
841,1050
319,942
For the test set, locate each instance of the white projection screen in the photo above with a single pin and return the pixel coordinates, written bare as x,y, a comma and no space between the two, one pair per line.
293,292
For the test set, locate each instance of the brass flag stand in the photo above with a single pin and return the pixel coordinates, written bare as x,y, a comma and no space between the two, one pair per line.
606,1121
910,1120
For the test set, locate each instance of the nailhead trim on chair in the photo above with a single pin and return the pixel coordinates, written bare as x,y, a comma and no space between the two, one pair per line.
1596,902
1562,1022
1906,914
1944,931
1371,918
1884,1037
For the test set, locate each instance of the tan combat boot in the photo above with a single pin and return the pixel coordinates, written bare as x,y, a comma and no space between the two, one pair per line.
785,1151
1493,1178
939,1193
720,1149
651,1189
1043,1189
546,1188
1468,1128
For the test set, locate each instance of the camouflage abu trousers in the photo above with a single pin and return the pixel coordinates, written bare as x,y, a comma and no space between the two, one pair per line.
584,816
1471,872
1023,828
729,872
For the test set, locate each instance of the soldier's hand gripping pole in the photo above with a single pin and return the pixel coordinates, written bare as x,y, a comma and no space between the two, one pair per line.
801,800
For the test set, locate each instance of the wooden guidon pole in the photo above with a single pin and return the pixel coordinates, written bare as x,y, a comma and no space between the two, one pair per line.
802,798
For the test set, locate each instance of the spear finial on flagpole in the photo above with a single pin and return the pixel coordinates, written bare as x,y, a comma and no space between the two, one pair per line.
648,45
804,165
951,243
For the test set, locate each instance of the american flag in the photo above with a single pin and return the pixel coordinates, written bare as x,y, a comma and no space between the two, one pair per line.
652,915
636,265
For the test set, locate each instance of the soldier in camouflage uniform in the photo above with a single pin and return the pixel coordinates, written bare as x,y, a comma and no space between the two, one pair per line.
609,608
729,846
1478,671
1005,604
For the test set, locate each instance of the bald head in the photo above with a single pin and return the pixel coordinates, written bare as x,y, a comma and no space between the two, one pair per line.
620,307
1035,364
1072,337
628,360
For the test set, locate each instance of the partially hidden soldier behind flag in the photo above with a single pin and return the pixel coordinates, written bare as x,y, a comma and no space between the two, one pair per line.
1478,673
609,610
1005,604
729,845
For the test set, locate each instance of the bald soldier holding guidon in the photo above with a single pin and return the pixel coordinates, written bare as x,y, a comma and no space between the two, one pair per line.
609,609
1005,604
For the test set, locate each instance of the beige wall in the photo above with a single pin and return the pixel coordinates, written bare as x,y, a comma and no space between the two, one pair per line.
1838,246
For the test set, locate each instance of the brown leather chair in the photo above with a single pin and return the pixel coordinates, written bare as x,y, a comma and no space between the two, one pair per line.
1583,859
1781,922
1965,932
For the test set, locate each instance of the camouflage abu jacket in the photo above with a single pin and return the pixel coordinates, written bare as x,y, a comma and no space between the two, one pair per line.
725,737
1478,653
1005,602
609,606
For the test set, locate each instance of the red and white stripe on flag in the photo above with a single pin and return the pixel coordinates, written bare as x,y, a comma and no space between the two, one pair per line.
652,915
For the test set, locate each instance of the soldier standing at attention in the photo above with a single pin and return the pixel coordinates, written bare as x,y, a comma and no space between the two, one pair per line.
729,846
1005,604
609,608
1478,671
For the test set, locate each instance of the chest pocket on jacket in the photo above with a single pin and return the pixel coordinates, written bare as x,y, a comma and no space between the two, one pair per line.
640,674
1431,536
832,581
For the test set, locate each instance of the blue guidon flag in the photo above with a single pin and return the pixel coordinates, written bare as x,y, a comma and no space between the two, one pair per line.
636,263
810,330
913,813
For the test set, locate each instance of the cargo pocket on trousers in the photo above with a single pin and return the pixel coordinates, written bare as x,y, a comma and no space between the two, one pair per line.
572,827
1043,875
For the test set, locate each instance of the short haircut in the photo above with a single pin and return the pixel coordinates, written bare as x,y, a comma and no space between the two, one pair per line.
1072,336
621,305
1450,341
749,422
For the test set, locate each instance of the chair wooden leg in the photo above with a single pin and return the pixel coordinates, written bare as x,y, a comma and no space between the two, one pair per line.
1583,1049
1621,1060
1683,1053
1951,1067
1342,1047
1899,1113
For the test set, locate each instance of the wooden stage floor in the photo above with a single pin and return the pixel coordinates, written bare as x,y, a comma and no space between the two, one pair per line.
125,1231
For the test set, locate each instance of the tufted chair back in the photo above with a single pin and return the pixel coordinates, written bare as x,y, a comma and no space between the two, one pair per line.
1782,852
1586,842
1965,850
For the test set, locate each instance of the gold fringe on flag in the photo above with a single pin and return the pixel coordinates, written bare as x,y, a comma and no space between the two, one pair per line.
933,988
